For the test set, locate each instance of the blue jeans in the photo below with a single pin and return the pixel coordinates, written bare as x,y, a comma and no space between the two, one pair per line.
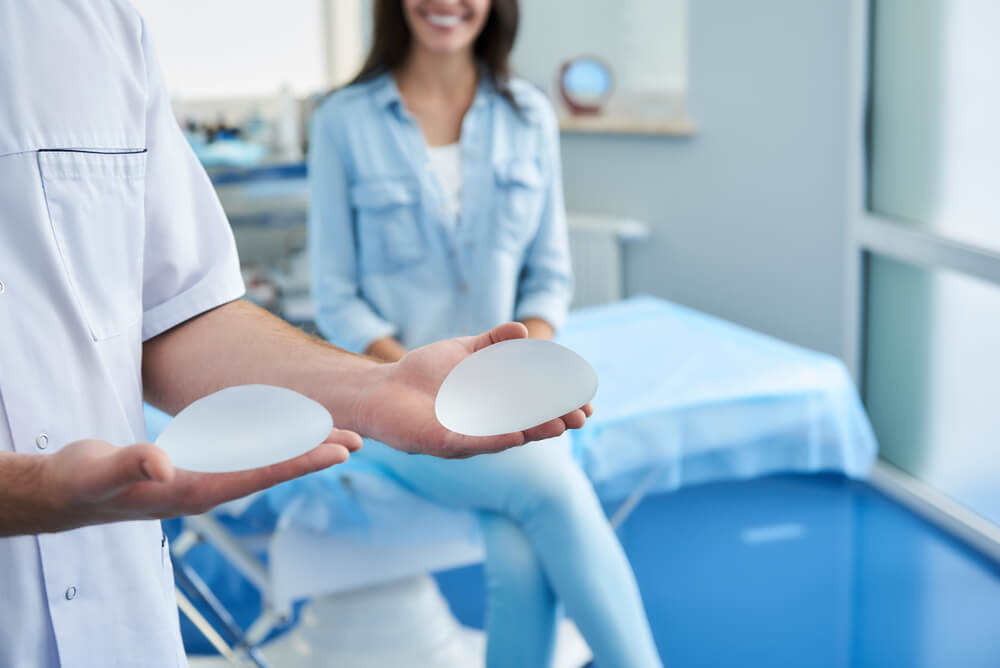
547,540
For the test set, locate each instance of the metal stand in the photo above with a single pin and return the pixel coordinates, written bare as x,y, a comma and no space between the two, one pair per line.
237,646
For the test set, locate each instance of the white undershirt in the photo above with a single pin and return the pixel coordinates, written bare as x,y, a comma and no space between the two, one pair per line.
446,162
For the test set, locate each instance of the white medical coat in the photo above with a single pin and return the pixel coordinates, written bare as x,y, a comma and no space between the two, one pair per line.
110,233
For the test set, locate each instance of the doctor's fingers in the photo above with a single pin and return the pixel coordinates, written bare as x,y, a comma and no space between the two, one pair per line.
504,332
457,446
552,428
348,439
578,418
462,447
102,469
207,490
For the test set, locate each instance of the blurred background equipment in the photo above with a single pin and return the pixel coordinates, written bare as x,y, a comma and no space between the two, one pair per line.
585,84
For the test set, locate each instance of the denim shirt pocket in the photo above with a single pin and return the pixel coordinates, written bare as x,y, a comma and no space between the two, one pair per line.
520,195
389,234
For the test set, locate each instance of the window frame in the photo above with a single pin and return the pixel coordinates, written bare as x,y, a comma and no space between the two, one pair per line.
874,234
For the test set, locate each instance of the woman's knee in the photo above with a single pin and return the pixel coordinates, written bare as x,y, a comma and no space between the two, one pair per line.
512,565
563,492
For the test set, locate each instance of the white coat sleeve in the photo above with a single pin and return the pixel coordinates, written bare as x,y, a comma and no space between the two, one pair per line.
190,263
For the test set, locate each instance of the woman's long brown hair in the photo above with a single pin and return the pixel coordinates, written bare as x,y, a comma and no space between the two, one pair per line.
391,43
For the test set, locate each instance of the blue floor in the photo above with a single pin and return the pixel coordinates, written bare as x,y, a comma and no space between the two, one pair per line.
802,571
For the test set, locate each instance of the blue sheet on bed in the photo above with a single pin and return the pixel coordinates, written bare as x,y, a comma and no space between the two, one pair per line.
688,398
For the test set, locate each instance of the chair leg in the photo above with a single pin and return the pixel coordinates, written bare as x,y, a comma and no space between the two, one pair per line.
263,625
191,586
189,610
638,494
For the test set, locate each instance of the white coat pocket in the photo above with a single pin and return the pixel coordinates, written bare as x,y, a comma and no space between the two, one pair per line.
95,202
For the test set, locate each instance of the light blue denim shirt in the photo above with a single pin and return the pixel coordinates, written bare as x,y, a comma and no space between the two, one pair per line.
388,257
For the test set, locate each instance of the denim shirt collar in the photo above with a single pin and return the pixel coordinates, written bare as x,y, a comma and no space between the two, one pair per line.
386,93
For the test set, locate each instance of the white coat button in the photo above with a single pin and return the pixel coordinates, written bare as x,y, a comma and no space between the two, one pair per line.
71,593
3,288
42,441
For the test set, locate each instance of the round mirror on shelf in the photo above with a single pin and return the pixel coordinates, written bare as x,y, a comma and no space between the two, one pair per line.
586,84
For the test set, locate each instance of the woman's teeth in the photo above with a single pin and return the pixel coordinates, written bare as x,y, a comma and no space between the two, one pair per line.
444,21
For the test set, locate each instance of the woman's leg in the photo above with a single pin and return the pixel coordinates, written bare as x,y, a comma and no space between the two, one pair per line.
521,606
542,490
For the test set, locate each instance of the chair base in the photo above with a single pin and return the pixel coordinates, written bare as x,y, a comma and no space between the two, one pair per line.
402,623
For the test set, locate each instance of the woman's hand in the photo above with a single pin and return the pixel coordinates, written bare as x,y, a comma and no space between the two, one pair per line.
387,349
92,482
539,329
397,406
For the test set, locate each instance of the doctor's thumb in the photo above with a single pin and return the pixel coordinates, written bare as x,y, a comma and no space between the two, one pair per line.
139,463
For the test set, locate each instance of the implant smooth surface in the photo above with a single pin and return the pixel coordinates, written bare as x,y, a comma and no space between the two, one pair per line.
244,427
512,386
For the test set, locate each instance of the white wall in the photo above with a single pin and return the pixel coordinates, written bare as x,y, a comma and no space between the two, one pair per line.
749,216
237,49
642,40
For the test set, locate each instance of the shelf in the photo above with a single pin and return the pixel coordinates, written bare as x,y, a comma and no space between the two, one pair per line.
626,125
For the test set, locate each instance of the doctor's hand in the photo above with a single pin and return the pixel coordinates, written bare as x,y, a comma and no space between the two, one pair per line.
397,405
92,482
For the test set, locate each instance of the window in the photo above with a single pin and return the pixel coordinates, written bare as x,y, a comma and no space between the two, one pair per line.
214,49
935,138
932,236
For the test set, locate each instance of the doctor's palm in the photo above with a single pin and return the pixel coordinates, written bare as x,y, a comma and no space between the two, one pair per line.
398,408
